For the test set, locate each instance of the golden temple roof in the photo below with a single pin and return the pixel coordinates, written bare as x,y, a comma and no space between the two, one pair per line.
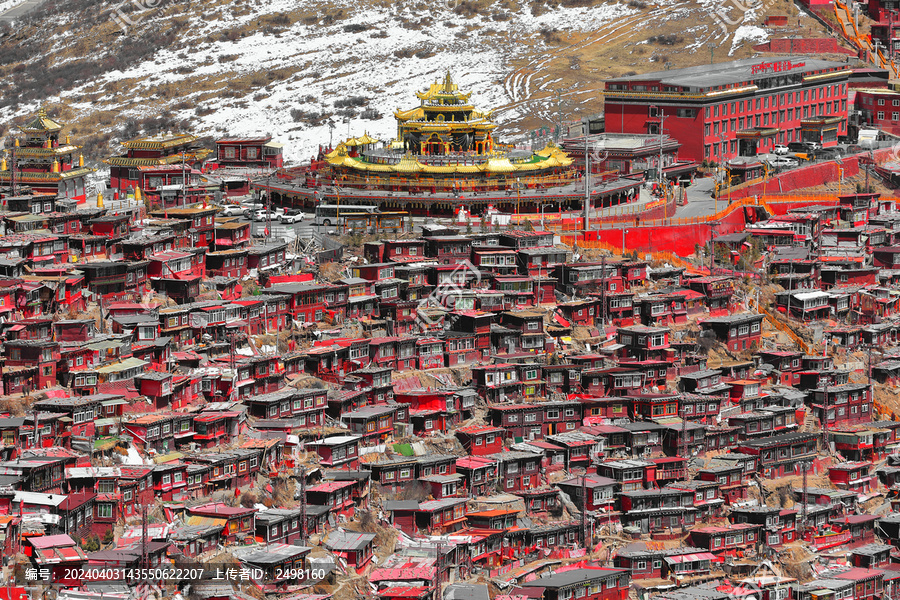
41,152
30,176
410,164
160,142
171,159
363,140
41,124
444,89
498,165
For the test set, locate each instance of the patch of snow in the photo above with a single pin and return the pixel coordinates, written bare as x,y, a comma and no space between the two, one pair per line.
750,33
336,63
133,458
6,5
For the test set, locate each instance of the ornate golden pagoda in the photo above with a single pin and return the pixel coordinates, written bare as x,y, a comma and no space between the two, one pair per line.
43,163
443,137
444,122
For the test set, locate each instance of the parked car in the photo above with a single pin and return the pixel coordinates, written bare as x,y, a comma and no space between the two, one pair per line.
783,163
813,145
797,147
233,210
249,209
291,218
262,215
780,149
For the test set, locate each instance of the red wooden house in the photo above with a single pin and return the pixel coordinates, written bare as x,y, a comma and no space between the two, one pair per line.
737,537
355,548
238,522
248,153
481,440
337,451
594,583
854,476
737,331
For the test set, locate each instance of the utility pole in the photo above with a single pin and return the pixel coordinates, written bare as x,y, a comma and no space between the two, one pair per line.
269,207
871,387
584,505
790,290
805,467
183,180
825,416
145,560
439,567
233,372
603,294
303,511
587,187
12,167
662,120
868,164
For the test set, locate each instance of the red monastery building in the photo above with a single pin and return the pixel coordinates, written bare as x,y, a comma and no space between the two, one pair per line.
739,108
158,165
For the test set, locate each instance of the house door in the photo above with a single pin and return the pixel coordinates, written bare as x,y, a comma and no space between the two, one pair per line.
747,147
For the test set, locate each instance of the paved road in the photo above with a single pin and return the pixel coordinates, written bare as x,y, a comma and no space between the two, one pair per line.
700,200
17,12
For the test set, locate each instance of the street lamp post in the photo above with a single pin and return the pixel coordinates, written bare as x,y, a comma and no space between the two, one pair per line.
543,204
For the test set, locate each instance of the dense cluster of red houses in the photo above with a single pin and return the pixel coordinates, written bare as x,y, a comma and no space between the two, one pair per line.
174,388
586,404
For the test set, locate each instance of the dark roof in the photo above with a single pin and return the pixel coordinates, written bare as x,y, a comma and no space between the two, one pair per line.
779,439
573,577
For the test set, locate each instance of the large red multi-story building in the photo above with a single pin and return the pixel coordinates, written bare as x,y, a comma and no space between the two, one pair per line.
738,108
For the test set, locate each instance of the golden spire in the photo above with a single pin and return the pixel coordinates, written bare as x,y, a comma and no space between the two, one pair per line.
81,160
55,167
448,83
17,142
41,112
3,164
67,140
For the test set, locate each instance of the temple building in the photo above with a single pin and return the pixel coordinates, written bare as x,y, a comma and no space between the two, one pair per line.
446,145
44,165
164,167
444,122
445,159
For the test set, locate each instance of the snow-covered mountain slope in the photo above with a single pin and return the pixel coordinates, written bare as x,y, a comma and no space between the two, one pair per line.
310,72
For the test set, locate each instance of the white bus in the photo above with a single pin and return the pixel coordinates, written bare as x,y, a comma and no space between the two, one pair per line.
327,214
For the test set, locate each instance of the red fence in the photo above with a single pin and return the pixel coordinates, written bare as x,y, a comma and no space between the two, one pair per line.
804,46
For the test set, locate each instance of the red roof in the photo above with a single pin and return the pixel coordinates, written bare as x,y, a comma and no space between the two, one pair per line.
330,486
217,508
476,429
405,592
497,512
51,541
859,573
474,462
